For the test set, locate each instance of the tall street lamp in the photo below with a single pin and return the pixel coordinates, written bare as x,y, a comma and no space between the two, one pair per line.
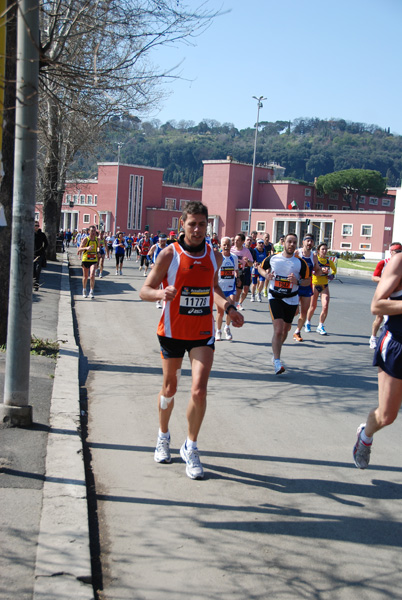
259,105
119,145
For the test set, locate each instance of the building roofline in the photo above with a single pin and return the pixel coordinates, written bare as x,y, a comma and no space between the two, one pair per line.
110,164
310,212
226,161
181,187
77,181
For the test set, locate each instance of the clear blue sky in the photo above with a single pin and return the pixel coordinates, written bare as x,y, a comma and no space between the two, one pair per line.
309,58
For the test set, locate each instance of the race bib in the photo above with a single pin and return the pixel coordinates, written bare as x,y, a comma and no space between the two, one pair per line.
195,301
281,284
227,273
91,256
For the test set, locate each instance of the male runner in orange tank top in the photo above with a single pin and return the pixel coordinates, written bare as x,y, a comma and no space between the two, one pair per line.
188,270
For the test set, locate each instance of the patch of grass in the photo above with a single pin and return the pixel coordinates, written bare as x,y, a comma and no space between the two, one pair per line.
44,347
361,265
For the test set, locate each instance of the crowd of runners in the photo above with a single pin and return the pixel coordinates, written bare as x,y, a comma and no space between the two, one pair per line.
189,272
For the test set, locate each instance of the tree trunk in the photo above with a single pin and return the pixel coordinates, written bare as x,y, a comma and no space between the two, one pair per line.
52,199
6,185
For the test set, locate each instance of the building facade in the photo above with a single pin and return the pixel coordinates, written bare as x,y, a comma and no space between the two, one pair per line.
132,198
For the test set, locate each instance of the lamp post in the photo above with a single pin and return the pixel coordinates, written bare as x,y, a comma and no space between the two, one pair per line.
259,105
119,145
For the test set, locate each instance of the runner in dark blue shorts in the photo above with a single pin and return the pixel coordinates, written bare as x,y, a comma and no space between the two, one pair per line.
388,358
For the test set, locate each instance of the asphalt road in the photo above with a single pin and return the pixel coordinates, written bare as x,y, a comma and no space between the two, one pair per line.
282,512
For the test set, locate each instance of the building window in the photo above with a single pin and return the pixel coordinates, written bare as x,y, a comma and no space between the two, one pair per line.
346,208
320,194
347,229
75,197
89,198
386,201
334,196
244,226
68,199
346,245
364,246
183,204
332,207
307,192
86,219
135,198
366,230
362,200
319,206
170,203
175,223
373,201
95,199
36,216
261,225
307,205
82,198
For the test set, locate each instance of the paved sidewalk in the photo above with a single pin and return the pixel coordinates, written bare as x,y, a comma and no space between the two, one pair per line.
44,547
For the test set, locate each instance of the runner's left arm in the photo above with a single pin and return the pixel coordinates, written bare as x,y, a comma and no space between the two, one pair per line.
391,281
151,290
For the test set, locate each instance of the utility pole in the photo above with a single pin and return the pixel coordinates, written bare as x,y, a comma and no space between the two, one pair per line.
15,410
119,145
259,105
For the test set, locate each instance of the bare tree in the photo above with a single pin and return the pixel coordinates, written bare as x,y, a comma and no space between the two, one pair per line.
95,66
6,184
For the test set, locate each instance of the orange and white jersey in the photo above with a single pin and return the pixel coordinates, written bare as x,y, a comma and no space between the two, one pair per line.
189,316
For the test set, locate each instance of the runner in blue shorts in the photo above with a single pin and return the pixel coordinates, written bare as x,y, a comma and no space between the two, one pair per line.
227,276
387,357
305,293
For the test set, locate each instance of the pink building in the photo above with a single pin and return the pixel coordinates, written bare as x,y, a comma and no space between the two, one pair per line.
226,192
128,198
131,198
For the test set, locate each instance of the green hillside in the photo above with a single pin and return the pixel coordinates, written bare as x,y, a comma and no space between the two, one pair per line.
307,148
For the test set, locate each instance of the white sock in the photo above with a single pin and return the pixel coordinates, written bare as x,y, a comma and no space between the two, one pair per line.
365,438
297,330
308,322
164,435
191,444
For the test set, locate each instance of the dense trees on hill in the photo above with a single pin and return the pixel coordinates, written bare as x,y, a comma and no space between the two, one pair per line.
307,148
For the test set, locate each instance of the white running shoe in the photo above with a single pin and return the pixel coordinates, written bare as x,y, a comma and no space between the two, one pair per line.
307,328
101,276
191,457
158,304
240,307
259,298
227,333
321,330
278,366
121,272
218,335
84,293
162,450
252,299
361,451
117,272
373,342
91,295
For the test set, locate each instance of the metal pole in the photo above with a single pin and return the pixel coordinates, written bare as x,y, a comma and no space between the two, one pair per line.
259,105
15,411
119,145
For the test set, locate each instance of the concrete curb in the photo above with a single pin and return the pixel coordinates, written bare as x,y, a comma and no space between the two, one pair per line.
63,562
